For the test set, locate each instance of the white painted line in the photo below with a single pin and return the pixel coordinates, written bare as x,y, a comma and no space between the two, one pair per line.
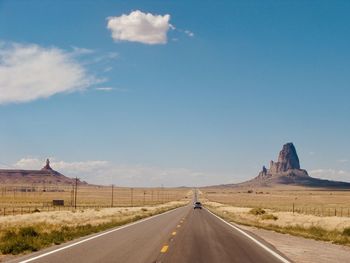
282,259
96,236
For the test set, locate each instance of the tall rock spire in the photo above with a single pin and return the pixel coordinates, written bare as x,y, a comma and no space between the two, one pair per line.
288,162
47,166
288,158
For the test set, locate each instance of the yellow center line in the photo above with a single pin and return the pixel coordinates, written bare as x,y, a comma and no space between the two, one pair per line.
174,233
164,249
178,225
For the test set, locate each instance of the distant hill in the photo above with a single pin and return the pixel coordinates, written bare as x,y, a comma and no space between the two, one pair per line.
286,171
44,176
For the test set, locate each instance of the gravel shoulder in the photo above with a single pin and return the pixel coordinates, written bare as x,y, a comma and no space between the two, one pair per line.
303,250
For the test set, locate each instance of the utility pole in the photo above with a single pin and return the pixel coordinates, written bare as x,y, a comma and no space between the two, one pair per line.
72,196
76,192
132,197
112,195
144,197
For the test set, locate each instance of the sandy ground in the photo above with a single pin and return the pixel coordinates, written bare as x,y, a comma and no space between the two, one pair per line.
303,250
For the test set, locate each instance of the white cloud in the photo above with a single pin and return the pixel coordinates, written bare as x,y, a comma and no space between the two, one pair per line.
140,27
29,163
29,72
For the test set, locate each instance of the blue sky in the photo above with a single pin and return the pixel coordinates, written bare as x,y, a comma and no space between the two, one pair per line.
224,85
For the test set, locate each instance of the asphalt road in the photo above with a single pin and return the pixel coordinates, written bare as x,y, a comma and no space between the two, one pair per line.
179,236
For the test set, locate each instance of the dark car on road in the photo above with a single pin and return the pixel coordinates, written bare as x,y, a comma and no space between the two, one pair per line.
197,205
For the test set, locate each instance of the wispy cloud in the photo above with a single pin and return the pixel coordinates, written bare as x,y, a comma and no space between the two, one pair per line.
107,69
189,33
104,172
111,89
29,72
104,88
140,27
106,57
82,51
72,167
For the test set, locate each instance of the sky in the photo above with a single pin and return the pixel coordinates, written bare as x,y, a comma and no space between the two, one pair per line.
173,93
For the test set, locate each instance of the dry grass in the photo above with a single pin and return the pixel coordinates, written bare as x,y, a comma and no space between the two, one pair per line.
245,215
31,232
318,214
23,199
80,216
316,202
333,229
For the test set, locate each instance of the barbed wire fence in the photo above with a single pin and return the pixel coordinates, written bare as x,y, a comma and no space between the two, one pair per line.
21,199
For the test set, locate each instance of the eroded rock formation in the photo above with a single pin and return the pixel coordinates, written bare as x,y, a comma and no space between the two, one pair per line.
47,166
287,164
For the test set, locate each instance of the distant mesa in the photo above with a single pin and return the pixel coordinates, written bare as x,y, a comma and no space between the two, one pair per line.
287,171
45,175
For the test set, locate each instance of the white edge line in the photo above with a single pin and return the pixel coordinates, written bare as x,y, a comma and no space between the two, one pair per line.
96,236
253,239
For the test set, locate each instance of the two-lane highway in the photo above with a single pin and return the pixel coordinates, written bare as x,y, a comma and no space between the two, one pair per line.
205,238
182,235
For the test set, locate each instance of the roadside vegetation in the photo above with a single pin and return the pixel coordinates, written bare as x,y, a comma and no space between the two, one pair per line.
307,226
261,212
28,233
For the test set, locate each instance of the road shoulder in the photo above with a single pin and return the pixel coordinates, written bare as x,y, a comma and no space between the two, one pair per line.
300,249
